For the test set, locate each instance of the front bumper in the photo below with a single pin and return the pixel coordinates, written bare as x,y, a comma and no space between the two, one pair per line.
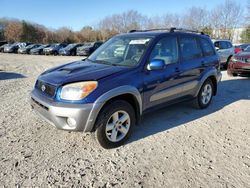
64,53
34,52
57,113
49,52
8,50
83,53
239,68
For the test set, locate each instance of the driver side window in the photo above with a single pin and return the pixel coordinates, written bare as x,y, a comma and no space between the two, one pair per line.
166,49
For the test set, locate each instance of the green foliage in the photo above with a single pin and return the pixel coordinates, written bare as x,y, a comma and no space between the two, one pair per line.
2,38
207,31
245,35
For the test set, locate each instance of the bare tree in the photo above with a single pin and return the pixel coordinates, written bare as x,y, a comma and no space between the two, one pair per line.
227,17
196,18
13,31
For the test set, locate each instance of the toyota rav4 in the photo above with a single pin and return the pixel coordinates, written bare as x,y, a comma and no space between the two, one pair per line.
108,92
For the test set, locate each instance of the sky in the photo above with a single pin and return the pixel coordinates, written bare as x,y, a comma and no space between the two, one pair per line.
78,13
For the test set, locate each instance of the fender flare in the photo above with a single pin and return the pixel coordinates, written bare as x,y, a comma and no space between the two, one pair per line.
101,101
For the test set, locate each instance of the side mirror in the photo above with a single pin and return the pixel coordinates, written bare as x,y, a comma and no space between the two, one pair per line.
217,48
156,64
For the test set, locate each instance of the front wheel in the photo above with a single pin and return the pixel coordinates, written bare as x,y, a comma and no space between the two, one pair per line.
114,124
205,95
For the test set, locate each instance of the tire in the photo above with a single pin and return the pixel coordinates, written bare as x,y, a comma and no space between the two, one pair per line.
72,53
55,53
114,124
234,74
205,95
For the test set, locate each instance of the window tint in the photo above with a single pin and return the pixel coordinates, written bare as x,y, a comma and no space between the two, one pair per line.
223,45
207,48
229,45
189,48
217,44
166,49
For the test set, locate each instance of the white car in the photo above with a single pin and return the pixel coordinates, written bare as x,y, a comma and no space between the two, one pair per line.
225,50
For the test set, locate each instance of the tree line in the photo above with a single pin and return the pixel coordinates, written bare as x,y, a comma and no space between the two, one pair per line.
225,18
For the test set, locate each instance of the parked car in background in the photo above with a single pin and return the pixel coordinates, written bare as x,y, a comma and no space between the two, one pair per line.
240,64
69,49
3,46
88,48
225,50
3,42
108,93
26,49
38,50
13,48
53,49
241,47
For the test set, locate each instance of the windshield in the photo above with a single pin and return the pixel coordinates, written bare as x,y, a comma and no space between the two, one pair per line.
70,46
124,51
247,49
53,45
30,46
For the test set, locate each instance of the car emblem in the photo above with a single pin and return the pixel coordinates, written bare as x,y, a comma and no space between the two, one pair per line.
43,88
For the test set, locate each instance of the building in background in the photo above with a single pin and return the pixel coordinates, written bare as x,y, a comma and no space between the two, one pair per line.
231,34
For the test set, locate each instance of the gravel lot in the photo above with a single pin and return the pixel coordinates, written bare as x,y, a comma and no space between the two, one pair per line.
174,147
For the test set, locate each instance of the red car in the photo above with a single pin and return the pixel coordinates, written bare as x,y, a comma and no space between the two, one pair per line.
240,64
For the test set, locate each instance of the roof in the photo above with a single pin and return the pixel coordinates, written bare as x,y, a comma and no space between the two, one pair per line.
161,31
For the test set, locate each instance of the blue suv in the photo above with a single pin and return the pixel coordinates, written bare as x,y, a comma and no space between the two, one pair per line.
127,76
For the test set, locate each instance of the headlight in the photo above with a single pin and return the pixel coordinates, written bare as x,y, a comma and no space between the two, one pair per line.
248,60
233,59
77,91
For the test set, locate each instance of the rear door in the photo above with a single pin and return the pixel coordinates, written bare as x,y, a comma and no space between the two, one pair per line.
209,54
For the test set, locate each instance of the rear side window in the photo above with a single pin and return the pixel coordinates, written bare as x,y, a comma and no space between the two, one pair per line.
190,48
166,49
208,49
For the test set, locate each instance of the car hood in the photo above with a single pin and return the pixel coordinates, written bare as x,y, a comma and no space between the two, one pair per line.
79,71
22,49
84,48
49,48
243,54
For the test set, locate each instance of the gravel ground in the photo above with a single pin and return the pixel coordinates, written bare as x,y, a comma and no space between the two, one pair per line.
173,147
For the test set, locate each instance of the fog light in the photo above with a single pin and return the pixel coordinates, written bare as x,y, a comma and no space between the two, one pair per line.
71,122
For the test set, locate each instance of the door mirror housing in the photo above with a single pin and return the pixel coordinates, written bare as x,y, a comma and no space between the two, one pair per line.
156,64
217,48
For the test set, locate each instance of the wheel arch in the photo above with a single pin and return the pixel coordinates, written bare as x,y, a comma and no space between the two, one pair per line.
212,75
129,94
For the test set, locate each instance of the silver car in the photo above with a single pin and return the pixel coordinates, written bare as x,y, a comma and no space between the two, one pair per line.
225,50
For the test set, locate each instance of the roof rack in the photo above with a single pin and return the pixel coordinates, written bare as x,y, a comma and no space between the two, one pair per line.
172,29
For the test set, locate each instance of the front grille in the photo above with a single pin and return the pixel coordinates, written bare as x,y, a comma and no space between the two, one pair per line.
46,88
242,59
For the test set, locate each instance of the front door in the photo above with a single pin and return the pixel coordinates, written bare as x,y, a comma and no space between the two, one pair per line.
162,85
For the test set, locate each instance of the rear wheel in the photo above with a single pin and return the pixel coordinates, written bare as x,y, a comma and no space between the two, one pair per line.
114,124
205,95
